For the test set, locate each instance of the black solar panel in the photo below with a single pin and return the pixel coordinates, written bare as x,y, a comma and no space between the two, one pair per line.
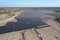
21,24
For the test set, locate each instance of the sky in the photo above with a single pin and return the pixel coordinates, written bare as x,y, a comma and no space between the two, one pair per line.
29,3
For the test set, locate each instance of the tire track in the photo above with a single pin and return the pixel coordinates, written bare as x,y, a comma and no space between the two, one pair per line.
38,36
23,37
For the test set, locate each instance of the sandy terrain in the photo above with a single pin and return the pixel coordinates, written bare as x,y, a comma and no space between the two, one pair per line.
4,17
52,32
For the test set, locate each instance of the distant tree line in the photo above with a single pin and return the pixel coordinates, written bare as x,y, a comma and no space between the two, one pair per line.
57,10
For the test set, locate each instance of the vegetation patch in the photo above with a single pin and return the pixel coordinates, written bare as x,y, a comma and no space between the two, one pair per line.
57,14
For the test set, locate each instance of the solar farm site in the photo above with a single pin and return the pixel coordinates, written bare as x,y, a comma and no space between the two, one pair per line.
31,24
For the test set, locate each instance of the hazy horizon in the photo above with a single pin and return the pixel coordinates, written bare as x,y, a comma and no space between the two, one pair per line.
30,3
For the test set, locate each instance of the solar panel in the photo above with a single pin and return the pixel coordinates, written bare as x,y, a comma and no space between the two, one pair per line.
22,24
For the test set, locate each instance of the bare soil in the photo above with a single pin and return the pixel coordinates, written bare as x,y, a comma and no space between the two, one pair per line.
4,17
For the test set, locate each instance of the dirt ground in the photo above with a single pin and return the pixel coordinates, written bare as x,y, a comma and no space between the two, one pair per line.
4,17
